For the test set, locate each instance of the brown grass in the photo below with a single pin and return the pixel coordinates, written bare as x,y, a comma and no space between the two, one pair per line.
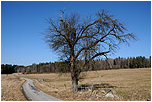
130,84
11,88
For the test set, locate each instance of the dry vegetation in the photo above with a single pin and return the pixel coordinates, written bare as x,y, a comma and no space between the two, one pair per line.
129,84
11,88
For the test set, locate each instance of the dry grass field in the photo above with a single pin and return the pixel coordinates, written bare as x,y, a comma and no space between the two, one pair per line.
11,88
126,84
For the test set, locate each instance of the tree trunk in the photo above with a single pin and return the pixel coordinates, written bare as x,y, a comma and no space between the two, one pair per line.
74,74
74,84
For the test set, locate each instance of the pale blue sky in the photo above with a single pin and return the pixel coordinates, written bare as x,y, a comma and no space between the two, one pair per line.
22,23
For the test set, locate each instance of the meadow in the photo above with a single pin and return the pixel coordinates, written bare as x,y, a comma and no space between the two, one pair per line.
11,88
126,85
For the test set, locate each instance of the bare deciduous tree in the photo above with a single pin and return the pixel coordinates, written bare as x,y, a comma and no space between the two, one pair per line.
85,39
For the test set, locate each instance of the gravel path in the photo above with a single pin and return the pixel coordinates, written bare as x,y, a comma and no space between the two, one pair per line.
34,94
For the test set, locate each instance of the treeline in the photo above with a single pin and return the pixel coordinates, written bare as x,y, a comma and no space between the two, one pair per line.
41,67
9,69
120,63
100,64
132,62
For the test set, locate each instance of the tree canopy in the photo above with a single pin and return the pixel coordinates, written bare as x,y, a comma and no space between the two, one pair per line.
85,39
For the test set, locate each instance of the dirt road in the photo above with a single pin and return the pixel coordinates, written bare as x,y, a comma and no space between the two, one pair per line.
34,94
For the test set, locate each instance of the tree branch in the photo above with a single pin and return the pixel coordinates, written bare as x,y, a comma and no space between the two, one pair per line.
95,43
98,54
85,48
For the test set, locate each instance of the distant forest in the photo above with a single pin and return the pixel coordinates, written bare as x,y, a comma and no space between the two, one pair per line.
100,64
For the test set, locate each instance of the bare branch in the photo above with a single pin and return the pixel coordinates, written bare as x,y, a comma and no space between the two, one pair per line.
95,43
98,54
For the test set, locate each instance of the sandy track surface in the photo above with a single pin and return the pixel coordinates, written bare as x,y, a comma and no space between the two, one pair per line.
34,94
